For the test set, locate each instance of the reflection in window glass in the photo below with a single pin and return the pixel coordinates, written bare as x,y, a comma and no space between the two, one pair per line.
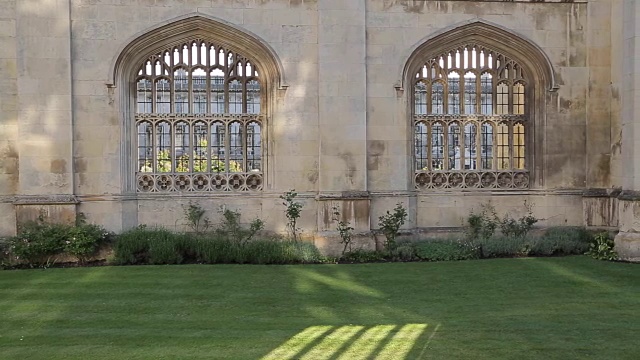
470,93
144,96
253,97
181,91
145,147
163,96
470,156
453,84
199,82
236,155
454,146
421,98
437,98
421,146
518,146
503,147
181,147
254,147
437,147
200,148
502,93
486,146
235,97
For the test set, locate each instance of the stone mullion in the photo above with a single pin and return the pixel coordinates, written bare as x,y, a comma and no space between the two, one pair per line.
245,135
429,125
191,146
478,157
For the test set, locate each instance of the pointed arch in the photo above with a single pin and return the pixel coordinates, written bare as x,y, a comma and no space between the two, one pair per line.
216,156
515,92
185,27
484,33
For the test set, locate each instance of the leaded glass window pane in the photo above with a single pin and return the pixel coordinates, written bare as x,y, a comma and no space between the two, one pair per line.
199,120
469,103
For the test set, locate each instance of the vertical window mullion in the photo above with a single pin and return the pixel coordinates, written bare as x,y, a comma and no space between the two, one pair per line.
227,146
245,136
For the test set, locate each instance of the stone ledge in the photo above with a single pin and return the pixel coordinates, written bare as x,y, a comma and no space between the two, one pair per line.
46,200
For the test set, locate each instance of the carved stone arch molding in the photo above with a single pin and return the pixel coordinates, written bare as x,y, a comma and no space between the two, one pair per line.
132,54
177,30
481,32
534,62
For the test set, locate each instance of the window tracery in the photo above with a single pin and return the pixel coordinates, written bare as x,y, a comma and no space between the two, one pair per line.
199,120
470,121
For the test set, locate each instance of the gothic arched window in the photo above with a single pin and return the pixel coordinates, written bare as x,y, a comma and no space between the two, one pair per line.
471,121
199,120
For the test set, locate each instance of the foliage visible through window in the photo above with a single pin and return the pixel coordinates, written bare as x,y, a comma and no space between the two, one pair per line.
199,120
470,121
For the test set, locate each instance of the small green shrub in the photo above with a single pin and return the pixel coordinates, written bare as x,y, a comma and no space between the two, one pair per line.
212,249
602,248
168,248
565,240
403,252
39,243
194,214
446,250
232,229
132,247
293,211
362,256
520,227
390,224
344,229
84,240
505,246
482,225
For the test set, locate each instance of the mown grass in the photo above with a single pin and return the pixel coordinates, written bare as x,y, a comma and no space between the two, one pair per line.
544,308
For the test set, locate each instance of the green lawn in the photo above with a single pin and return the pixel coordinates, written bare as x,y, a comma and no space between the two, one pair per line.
551,308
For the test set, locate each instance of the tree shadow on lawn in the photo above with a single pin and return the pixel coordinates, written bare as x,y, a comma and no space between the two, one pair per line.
472,309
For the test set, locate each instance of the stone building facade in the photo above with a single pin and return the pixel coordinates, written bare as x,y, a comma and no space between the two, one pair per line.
128,110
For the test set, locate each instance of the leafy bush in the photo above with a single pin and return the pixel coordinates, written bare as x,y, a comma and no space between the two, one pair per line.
602,248
390,224
231,228
446,250
561,241
482,225
194,215
40,243
520,227
84,240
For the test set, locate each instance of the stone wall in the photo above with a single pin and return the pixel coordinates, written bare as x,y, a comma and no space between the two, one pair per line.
339,131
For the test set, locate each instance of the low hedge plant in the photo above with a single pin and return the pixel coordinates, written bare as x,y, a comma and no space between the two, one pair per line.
160,246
